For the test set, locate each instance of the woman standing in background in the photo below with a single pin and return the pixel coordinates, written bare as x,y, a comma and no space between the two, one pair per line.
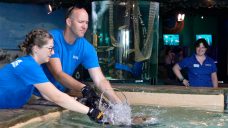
202,71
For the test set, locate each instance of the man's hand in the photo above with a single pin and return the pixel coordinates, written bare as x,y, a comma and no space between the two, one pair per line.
88,92
96,115
90,98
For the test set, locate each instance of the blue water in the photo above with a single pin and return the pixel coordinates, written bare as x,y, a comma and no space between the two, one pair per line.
160,117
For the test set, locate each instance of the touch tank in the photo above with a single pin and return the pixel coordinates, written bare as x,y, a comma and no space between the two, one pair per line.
125,34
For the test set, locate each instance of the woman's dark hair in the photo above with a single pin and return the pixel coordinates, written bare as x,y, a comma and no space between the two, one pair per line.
203,41
37,37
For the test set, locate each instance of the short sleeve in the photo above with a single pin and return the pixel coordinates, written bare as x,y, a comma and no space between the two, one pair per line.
214,67
184,63
30,72
90,59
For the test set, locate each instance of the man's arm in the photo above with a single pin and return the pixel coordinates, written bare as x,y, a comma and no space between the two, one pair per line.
55,67
103,84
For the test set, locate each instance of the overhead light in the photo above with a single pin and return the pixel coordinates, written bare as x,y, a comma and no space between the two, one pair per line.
53,5
180,17
49,8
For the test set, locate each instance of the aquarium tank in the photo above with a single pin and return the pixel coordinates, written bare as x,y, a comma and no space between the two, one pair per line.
125,34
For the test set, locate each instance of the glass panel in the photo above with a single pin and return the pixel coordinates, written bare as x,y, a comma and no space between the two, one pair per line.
126,37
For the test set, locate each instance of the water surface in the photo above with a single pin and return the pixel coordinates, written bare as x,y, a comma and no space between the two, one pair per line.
160,117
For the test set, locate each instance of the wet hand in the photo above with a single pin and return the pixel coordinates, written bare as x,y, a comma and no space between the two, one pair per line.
96,115
91,99
87,92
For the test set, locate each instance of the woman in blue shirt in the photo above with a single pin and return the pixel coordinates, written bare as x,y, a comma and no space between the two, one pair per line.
202,71
19,78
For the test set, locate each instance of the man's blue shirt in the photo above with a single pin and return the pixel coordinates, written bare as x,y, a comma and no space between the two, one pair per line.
199,75
71,56
17,80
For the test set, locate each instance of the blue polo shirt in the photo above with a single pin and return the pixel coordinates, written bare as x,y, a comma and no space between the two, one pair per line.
71,56
17,80
199,75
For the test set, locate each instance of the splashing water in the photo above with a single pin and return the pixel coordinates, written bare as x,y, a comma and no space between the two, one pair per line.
119,114
116,114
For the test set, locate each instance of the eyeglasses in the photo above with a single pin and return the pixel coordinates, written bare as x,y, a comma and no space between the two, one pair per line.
49,48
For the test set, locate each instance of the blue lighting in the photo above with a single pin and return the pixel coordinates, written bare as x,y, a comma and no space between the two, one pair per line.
207,37
171,39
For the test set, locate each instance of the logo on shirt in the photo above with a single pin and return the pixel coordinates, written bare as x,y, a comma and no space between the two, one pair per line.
75,57
16,63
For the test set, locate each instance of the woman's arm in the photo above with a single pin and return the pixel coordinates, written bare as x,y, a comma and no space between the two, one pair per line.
214,79
51,93
177,72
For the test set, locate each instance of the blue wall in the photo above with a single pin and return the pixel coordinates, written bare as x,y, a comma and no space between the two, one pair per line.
16,20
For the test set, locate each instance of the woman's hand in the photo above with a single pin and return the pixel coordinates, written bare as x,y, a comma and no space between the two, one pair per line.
185,83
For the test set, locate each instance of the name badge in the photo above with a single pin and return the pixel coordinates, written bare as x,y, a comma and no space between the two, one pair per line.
196,65
209,65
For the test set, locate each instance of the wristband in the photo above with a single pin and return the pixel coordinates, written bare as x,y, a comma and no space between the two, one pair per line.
181,80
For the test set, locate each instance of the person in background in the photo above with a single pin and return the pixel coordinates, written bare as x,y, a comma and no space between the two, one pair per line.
19,78
71,50
169,63
179,55
202,71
